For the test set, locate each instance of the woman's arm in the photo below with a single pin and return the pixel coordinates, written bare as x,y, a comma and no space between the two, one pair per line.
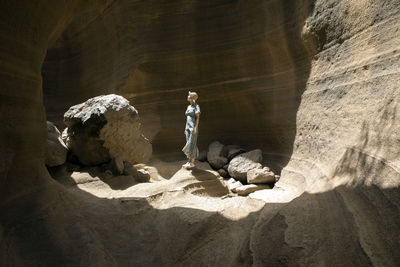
197,123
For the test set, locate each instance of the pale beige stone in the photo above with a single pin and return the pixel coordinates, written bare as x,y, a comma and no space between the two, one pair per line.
315,84
233,186
241,164
260,176
106,127
244,190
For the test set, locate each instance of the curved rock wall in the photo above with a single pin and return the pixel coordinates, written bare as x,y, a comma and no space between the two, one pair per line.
27,193
346,150
314,81
245,59
26,32
348,117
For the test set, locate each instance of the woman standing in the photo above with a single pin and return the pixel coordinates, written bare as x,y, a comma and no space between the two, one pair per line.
191,130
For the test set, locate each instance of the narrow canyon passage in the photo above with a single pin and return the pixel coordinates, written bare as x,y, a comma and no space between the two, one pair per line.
314,84
247,61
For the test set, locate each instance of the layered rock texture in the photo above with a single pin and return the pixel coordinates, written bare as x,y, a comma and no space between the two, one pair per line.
246,60
103,128
313,83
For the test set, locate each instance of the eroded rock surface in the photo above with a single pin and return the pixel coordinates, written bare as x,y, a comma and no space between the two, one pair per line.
233,184
104,128
56,150
313,82
260,176
241,164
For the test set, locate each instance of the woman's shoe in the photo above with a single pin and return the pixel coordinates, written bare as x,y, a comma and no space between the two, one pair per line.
186,165
191,165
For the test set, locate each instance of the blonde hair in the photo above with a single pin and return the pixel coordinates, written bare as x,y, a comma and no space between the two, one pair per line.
194,96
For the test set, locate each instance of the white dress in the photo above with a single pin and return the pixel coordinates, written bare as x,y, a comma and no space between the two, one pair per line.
190,149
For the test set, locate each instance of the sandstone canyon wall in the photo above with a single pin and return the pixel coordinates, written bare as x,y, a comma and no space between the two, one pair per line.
28,30
314,83
348,116
246,60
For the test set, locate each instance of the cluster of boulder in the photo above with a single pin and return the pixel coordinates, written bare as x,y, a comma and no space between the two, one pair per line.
104,130
244,167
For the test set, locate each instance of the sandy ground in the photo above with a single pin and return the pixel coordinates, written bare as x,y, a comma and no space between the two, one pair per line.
170,185
180,217
188,218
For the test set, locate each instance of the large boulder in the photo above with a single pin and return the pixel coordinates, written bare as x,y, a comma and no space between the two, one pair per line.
56,151
241,164
215,155
103,128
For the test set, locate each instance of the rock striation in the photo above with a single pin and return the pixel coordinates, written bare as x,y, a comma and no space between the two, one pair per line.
259,73
314,83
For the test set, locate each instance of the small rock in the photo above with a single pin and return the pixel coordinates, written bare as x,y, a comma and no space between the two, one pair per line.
129,169
241,164
143,176
154,176
277,177
140,175
233,152
217,162
260,176
56,151
223,173
202,156
234,186
215,155
250,188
